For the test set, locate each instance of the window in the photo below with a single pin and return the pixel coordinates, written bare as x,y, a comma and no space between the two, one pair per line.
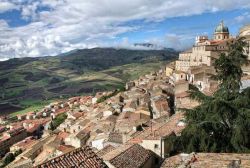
156,146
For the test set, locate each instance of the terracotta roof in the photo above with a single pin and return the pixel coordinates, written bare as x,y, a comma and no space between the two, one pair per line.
162,105
77,114
159,130
115,137
62,135
27,142
83,134
34,128
182,95
208,160
80,157
4,138
130,104
105,150
84,122
134,157
112,118
181,82
65,148
16,131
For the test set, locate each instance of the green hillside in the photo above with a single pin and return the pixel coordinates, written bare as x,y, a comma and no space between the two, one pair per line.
77,73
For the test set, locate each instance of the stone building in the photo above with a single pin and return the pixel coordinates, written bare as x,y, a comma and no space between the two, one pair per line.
153,137
205,51
11,137
245,32
77,140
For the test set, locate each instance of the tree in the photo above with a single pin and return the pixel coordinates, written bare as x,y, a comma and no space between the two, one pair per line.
221,122
8,158
228,68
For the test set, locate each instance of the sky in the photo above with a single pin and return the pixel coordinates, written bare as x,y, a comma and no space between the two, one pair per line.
32,28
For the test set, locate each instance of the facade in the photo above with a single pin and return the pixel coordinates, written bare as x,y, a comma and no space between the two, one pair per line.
11,137
204,51
77,140
169,71
245,32
154,136
99,140
159,106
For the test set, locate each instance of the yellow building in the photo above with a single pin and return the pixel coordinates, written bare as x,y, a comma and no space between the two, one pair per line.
205,51
169,70
245,32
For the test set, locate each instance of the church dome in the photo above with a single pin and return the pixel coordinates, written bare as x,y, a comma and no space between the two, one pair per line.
221,28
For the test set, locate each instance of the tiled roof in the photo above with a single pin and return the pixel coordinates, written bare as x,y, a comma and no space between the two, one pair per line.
134,157
27,142
182,95
159,130
115,137
83,134
105,150
62,135
162,105
77,114
208,160
65,148
81,157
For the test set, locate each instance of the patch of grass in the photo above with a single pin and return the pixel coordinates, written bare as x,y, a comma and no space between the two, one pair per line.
31,105
57,121
103,98
12,93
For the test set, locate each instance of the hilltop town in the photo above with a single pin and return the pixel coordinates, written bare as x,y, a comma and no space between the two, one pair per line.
125,127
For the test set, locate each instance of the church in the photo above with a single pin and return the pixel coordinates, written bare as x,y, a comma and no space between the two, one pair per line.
205,51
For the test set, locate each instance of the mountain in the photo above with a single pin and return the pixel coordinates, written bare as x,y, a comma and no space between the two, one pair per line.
78,72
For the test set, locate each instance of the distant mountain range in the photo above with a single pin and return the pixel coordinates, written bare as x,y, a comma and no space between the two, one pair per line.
83,71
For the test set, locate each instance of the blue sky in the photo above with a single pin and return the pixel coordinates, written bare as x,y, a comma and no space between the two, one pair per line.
188,26
50,27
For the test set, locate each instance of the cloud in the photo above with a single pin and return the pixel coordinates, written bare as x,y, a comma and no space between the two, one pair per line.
243,19
29,11
57,26
7,6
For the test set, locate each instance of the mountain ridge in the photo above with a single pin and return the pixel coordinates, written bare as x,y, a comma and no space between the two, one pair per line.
82,72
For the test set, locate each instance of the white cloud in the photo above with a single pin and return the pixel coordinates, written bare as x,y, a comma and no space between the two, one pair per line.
71,24
29,11
243,19
7,6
